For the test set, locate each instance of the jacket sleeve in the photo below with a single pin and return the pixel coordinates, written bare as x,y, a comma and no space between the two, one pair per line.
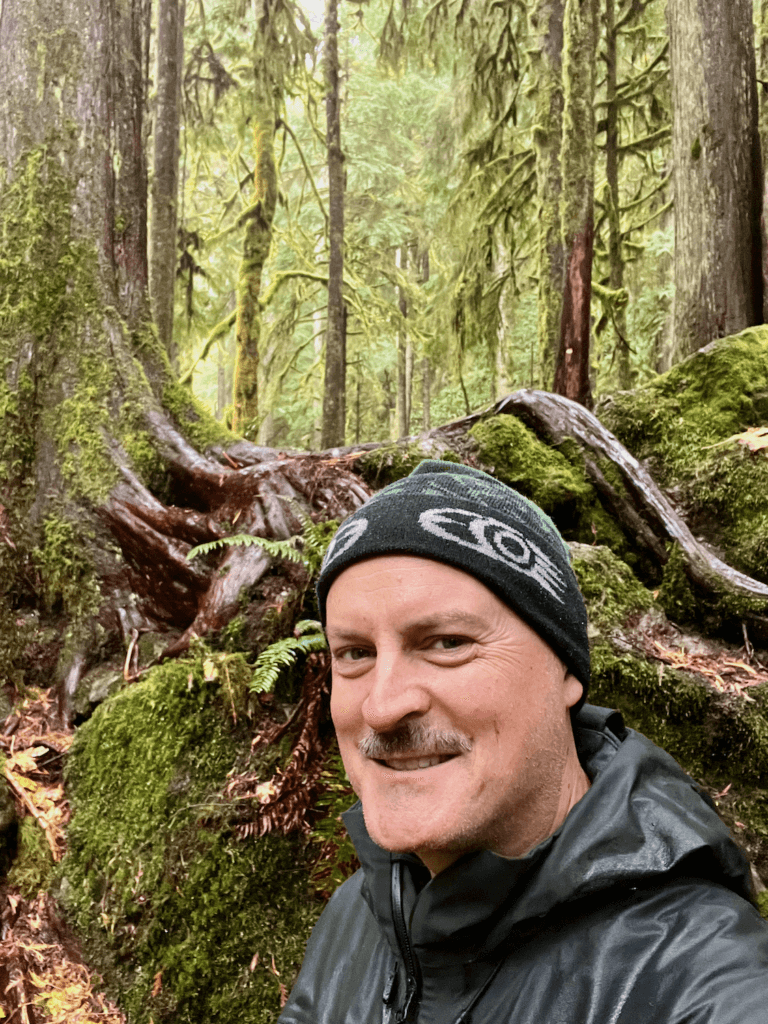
713,969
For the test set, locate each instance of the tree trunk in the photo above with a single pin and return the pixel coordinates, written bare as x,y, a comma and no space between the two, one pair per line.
256,245
577,205
615,250
548,62
334,398
165,180
718,186
81,459
404,350
762,76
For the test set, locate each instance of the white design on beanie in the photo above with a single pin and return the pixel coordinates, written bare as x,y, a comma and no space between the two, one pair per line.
348,533
492,538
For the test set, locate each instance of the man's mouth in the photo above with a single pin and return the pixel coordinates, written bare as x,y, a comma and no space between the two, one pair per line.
412,764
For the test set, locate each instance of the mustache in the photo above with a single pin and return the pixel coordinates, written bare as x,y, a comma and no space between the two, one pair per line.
413,740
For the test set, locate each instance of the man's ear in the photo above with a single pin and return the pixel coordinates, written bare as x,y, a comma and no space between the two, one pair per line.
572,689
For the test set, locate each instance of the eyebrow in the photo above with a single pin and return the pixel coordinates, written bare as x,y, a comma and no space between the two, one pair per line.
441,620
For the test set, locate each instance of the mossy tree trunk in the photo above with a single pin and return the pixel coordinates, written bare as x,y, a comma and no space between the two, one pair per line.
577,162
334,397
404,259
103,478
718,177
762,76
615,249
165,179
257,242
547,20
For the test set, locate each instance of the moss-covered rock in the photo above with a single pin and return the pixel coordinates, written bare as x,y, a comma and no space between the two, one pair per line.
156,881
681,423
610,589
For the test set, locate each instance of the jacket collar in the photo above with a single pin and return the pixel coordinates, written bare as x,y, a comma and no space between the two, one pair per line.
642,819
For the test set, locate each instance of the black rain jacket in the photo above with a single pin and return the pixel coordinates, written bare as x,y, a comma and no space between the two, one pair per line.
636,911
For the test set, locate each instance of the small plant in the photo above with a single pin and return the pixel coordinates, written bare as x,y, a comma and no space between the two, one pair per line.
308,637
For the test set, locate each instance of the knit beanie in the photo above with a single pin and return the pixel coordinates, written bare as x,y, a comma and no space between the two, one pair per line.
465,518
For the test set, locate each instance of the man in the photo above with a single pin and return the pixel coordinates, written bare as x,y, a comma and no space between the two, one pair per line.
525,858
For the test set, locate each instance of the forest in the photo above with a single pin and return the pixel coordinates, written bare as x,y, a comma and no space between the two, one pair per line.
259,258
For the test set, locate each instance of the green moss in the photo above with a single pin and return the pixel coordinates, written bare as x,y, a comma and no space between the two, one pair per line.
194,421
552,477
67,573
610,589
154,879
762,903
392,462
33,867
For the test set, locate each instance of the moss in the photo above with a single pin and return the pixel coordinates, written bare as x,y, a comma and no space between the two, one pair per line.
67,573
194,421
610,589
392,462
154,879
552,477
33,867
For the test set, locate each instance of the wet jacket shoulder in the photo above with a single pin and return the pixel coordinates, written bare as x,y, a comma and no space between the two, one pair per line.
637,911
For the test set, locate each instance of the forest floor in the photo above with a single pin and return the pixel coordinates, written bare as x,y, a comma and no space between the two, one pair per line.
43,979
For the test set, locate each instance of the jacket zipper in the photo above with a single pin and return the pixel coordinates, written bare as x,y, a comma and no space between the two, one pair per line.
409,958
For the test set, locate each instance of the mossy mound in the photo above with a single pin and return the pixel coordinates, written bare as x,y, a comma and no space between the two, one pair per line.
679,422
719,739
155,881
554,478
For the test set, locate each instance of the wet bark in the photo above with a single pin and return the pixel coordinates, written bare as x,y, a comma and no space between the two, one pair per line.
577,201
615,252
718,176
165,179
334,396
547,20
257,242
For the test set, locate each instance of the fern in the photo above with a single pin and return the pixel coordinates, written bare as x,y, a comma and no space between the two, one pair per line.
308,638
276,548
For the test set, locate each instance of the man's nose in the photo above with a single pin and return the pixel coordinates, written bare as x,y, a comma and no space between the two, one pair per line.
397,693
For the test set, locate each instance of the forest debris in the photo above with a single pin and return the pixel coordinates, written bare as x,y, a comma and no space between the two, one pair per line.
43,974
725,673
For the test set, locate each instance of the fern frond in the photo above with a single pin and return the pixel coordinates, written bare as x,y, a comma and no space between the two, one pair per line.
275,548
284,654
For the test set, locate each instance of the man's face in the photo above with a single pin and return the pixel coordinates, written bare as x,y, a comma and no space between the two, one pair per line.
461,709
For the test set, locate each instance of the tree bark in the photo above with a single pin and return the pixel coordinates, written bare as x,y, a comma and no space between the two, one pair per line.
165,180
404,349
577,202
762,77
615,249
718,176
256,246
334,397
547,20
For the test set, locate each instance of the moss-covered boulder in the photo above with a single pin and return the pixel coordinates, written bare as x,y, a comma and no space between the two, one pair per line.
681,423
186,922
721,739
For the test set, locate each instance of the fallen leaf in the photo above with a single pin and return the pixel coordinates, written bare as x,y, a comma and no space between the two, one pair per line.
755,438
254,961
723,792
158,985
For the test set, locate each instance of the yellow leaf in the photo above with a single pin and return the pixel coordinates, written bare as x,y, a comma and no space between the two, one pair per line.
755,438
210,671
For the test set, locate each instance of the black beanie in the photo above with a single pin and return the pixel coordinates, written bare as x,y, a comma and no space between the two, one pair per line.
465,518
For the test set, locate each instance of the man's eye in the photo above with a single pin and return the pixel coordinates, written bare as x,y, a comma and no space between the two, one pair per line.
353,654
449,643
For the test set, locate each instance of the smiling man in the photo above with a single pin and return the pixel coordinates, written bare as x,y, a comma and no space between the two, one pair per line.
525,858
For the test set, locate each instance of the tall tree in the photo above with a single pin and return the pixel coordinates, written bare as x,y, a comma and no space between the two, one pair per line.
258,219
334,396
577,202
165,179
547,20
717,166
